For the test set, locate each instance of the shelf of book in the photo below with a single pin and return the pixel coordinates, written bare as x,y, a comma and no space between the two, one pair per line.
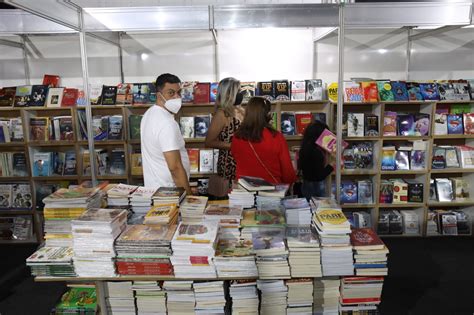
41,109
192,140
452,170
294,138
357,205
405,138
137,278
453,137
51,143
401,205
453,203
134,141
108,177
361,103
197,175
63,177
12,144
359,172
407,102
404,172
399,235
361,138
16,212
103,142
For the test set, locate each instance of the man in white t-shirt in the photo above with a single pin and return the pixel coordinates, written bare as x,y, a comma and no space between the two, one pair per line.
164,156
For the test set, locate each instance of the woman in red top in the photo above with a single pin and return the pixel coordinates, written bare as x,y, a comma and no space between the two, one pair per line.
258,149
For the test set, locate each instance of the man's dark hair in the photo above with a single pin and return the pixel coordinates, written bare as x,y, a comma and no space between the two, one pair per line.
165,78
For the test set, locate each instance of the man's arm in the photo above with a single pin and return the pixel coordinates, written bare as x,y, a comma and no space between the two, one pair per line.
175,165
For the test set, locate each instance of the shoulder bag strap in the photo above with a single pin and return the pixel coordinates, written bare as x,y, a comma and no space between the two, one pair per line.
261,163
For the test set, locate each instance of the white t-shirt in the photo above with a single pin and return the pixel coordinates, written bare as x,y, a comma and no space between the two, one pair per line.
160,133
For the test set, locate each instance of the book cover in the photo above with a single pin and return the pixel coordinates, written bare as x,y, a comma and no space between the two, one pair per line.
371,93
117,162
152,93
455,124
201,125
115,131
353,92
55,97
20,164
452,160
213,92
418,160
66,131
388,160
332,92
134,122
51,80
100,127
282,90
95,94
446,91
288,123
460,188
22,95
42,163
414,92
386,192
390,124
16,127
449,224
349,193
255,183
365,239
444,189
468,123
395,222
69,97
136,164
314,90
429,91
439,158
206,161
81,98
202,93
364,192
348,159
385,91
355,124
39,129
265,89
298,90
124,94
38,95
406,124
248,91
363,155
411,224
7,96
327,141
319,117
70,163
422,124
415,191
402,160
371,125
461,90
458,108
109,95
141,93
186,125
187,91
399,89
193,155
303,119
441,124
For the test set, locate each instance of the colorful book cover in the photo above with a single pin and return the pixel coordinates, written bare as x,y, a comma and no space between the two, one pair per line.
461,90
388,160
213,92
364,238
265,89
414,93
422,124
446,91
418,160
109,95
69,97
303,119
202,93
468,123
298,90
7,96
141,93
22,95
187,91
327,141
288,123
385,91
51,80
455,124
460,108
248,91
193,155
399,89
201,125
95,94
429,91
348,192
38,95
124,94
371,93
353,92
281,89
186,125
115,127
332,92
390,124
371,125
134,125
406,125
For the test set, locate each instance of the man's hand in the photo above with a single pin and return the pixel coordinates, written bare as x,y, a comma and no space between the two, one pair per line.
175,165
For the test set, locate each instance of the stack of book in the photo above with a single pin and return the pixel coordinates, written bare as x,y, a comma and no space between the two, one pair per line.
192,209
370,253
360,294
140,200
180,297
256,220
234,258
167,195
244,297
272,255
336,253
94,233
300,296
193,249
162,214
239,196
77,300
120,299
227,217
297,211
145,250
305,252
64,205
150,297
51,262
273,298
326,296
271,198
209,297
119,194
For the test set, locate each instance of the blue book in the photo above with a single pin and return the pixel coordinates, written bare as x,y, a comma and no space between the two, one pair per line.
455,125
429,91
414,92
399,90
406,124
388,160
348,192
364,266
42,163
213,94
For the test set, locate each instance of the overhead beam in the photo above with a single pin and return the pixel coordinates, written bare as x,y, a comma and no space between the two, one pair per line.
326,31
434,32
11,43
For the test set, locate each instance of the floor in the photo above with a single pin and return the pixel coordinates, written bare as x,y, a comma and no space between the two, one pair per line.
426,276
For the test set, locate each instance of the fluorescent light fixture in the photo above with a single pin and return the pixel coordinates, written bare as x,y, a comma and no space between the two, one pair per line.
382,51
144,56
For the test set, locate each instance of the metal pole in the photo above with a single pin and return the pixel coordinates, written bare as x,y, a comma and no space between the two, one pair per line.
408,63
85,78
25,60
122,76
216,56
340,100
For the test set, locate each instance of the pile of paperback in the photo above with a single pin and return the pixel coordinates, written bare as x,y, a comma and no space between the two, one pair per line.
119,194
179,297
150,297
140,200
244,297
272,256
234,258
274,296
120,299
167,195
305,253
209,297
300,296
192,209
239,196
51,262
94,233
297,211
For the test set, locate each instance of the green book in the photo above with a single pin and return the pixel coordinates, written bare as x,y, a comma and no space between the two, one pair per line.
134,122
83,300
385,91
460,108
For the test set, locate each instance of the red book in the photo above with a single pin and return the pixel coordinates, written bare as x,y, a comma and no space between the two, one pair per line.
193,155
374,300
69,97
365,238
202,93
303,119
199,260
51,80
370,91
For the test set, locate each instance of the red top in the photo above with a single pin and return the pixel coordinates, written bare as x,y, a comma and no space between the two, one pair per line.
272,151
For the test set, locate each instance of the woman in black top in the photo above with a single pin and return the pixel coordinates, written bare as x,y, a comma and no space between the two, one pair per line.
312,162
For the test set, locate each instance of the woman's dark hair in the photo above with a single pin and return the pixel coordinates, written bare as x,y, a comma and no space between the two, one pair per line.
311,134
257,117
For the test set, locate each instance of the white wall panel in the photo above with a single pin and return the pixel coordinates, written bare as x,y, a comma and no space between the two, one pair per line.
266,54
103,61
12,69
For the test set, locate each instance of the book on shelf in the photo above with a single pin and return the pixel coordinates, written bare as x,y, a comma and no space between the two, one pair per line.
51,80
201,125
461,90
468,119
441,124
101,157
265,89
390,124
460,188
206,160
152,95
134,122
314,90
385,91
117,162
55,97
298,90
70,163
109,95
124,94
399,90
202,93
136,164
81,98
370,91
70,97
371,125
39,128
20,164
141,93
187,91
214,88
348,192
22,95
100,127
303,119
414,92
400,191
415,191
411,222
422,124
282,90
115,127
186,125
7,96
248,91
193,154
355,124
446,91
455,124
288,123
353,92
38,95
42,163
429,91
444,189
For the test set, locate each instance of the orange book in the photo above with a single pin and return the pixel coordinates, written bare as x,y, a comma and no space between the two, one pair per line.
370,91
303,119
51,80
193,155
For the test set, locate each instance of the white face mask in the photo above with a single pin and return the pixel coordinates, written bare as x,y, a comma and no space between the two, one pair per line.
173,105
